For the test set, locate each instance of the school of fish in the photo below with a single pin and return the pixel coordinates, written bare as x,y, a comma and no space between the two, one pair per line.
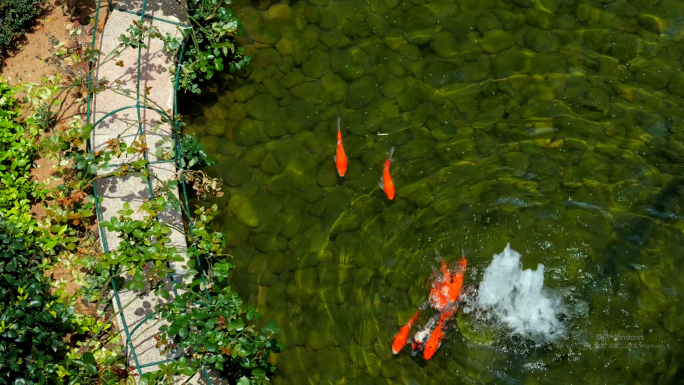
445,288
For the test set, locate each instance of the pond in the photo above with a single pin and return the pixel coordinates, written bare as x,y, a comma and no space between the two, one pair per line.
552,125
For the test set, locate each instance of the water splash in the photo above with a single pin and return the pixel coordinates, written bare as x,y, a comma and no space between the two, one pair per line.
517,298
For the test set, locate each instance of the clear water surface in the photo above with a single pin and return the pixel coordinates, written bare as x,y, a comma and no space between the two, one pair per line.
555,125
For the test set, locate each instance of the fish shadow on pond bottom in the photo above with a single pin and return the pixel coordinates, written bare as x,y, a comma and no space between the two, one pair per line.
632,233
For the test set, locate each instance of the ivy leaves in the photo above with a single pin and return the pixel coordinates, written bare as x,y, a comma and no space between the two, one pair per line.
143,252
209,45
204,243
136,34
193,153
66,147
215,333
209,321
87,362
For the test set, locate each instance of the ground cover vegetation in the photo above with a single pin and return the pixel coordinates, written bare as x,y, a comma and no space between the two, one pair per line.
15,18
34,319
42,339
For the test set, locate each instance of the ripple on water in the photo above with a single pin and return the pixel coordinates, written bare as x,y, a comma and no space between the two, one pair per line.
553,126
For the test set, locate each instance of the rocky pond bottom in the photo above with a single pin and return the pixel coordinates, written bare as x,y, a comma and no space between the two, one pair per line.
552,125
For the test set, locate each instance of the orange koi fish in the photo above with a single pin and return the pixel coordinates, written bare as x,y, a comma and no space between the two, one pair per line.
402,336
445,292
340,157
457,280
446,289
422,335
435,340
386,181
439,293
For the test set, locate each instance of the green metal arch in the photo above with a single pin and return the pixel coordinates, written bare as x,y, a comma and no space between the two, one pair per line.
128,344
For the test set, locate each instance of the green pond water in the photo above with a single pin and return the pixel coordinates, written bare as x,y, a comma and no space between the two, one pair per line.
553,125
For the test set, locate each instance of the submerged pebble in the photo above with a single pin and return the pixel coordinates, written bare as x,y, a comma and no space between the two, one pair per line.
536,123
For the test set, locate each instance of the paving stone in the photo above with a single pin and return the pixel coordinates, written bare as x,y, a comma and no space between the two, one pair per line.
128,124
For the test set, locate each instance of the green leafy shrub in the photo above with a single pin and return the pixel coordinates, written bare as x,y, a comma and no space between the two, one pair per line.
17,191
16,155
33,322
8,107
94,361
143,252
209,46
216,334
193,153
236,348
15,17
210,324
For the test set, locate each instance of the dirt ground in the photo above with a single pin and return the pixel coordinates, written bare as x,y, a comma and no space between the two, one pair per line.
30,58
26,59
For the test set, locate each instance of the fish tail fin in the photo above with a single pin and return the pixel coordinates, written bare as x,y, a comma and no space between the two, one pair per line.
445,272
391,153
437,256
338,124
400,339
462,264
382,185
414,318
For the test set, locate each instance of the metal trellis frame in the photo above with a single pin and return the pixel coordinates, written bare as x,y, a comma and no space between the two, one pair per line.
128,343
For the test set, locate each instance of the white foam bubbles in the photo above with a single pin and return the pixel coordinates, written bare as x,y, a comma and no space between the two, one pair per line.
517,298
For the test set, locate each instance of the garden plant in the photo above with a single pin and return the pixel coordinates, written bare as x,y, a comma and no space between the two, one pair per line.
208,323
15,19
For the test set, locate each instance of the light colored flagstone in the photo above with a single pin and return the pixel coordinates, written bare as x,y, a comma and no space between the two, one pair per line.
127,124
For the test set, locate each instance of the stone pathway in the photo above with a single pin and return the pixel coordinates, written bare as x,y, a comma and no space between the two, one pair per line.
131,189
